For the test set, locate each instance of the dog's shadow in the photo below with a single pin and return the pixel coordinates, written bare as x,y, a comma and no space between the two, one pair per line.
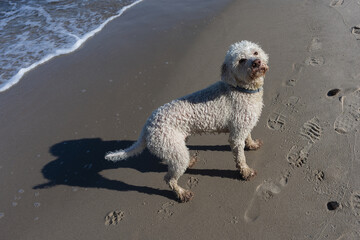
79,163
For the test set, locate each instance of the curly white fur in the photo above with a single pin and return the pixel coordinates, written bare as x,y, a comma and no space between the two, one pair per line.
220,108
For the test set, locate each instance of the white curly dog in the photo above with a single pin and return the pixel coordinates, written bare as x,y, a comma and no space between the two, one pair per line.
232,105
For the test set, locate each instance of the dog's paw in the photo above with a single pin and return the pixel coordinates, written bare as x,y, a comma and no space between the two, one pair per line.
254,145
185,196
247,173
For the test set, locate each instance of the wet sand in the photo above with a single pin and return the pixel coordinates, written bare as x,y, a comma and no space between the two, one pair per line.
58,122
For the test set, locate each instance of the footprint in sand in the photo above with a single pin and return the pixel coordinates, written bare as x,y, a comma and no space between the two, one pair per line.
165,211
278,118
263,192
294,77
316,178
349,236
297,156
336,3
234,220
315,61
315,45
349,119
317,175
291,82
284,179
355,203
192,182
312,131
114,217
356,31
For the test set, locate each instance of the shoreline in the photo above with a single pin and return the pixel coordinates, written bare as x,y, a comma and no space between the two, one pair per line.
61,118
62,51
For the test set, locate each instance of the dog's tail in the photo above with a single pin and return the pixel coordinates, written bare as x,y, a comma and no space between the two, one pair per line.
133,150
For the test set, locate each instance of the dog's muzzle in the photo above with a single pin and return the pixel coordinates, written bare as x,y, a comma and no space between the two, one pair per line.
258,68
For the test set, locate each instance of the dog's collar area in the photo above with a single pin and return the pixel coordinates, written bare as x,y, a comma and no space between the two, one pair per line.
245,90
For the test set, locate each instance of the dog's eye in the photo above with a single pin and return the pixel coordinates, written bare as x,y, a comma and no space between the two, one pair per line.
241,61
256,53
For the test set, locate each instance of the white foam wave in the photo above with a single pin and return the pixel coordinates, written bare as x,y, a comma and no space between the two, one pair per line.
80,41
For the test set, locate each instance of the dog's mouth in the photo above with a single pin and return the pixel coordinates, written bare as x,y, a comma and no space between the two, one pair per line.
258,69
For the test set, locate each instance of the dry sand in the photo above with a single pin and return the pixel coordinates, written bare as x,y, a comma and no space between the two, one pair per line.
58,122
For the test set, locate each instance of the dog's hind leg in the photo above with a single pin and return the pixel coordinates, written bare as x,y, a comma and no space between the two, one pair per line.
182,194
194,159
170,147
176,168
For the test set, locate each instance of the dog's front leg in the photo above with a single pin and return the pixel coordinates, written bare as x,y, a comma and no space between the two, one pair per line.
237,145
251,144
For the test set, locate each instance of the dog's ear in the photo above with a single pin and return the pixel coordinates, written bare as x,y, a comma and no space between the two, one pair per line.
226,75
223,70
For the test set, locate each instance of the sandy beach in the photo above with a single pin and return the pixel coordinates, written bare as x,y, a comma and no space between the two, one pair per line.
58,122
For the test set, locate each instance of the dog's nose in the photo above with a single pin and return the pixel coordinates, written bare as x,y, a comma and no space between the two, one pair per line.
256,63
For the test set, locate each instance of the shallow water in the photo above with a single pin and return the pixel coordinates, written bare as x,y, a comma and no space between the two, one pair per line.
34,31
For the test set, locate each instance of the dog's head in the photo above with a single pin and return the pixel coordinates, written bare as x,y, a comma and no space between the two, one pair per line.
245,65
